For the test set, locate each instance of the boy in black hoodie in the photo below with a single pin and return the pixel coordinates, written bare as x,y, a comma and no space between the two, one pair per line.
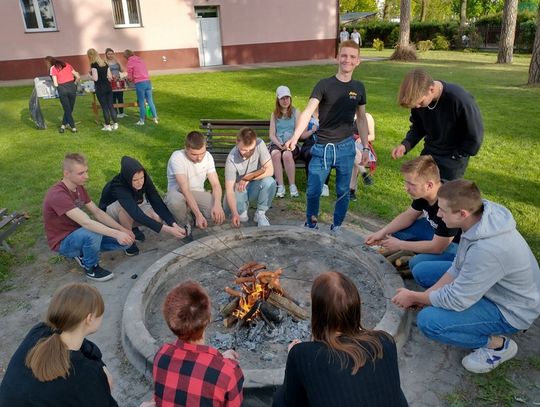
131,198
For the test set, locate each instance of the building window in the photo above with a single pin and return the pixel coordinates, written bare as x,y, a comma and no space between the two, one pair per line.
126,13
38,15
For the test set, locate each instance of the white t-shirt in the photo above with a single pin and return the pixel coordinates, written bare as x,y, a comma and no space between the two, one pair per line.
196,173
355,36
343,36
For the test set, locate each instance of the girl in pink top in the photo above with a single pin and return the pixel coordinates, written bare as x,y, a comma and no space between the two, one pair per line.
138,74
64,78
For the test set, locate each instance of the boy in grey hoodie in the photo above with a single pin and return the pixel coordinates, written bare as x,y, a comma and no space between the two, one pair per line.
492,287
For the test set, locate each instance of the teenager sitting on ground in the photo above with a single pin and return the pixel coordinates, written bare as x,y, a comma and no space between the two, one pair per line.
188,372
56,365
345,364
187,172
358,167
491,289
248,178
131,199
282,122
420,229
70,231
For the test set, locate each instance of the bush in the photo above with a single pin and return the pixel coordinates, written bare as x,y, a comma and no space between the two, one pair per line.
441,43
378,44
424,46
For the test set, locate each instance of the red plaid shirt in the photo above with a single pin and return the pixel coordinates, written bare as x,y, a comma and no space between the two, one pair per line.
191,375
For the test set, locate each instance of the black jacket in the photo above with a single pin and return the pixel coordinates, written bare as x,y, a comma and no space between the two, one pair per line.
120,189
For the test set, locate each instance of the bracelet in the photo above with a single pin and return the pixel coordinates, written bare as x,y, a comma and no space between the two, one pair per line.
365,149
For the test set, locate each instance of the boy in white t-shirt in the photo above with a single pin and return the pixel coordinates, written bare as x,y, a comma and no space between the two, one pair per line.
187,171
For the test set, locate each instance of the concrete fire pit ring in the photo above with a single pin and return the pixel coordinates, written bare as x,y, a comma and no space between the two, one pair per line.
140,345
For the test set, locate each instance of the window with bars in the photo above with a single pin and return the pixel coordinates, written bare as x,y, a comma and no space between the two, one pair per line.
38,15
126,13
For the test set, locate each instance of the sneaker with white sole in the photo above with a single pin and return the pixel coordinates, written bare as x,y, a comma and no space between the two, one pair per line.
115,126
155,119
261,219
97,273
107,127
325,190
484,360
335,230
293,191
79,261
280,193
244,216
132,250
139,123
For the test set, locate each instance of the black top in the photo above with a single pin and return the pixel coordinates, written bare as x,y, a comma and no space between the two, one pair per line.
314,377
430,212
339,102
86,385
120,189
102,85
453,128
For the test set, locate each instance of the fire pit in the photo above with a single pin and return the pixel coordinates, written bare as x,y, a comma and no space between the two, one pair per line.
259,281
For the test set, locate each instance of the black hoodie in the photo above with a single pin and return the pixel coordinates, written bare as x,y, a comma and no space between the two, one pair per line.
120,189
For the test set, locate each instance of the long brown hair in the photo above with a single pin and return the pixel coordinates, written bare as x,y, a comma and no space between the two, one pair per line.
335,321
49,359
278,114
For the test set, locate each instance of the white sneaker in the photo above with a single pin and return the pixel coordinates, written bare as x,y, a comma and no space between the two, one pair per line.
261,219
244,216
155,120
115,126
121,115
325,190
280,193
293,191
483,360
107,127
335,230
139,123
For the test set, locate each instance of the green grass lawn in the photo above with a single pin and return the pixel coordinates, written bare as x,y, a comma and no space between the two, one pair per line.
506,168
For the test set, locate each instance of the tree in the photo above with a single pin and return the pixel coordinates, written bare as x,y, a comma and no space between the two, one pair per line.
534,68
508,32
404,51
423,10
350,6
463,15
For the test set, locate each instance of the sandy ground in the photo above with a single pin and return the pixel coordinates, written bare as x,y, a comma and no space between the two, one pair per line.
429,371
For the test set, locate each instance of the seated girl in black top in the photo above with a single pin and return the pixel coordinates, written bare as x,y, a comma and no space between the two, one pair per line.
345,364
55,366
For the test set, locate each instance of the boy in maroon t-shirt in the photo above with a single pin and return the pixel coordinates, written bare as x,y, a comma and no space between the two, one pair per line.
70,231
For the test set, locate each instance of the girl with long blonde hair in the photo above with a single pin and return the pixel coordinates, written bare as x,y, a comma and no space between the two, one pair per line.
101,75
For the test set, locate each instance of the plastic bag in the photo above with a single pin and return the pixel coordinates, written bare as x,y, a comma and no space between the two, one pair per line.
35,111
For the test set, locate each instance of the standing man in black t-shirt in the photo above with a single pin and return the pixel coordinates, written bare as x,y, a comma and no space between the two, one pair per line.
448,119
338,98
429,236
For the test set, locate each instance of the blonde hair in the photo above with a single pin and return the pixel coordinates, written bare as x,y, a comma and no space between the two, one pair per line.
49,358
128,53
94,57
423,167
414,86
73,158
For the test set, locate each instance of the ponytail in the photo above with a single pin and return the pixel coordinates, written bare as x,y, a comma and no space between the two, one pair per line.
49,359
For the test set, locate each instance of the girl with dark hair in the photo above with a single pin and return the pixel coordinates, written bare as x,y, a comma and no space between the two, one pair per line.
117,73
345,364
64,79
55,365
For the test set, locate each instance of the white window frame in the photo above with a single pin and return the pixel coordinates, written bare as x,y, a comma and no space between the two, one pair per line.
39,20
126,15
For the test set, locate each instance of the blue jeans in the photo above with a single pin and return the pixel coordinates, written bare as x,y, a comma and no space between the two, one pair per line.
427,269
418,231
470,328
261,191
324,157
144,92
82,242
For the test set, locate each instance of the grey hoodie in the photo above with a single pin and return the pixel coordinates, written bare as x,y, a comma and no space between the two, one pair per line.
494,261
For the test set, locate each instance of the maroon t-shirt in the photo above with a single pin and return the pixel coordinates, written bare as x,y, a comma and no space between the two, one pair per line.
58,201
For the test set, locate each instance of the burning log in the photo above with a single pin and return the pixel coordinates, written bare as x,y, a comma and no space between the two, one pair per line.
230,321
287,305
230,307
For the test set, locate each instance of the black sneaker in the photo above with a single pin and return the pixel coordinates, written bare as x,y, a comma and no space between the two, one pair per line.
132,250
367,179
61,129
78,259
97,273
139,235
352,195
189,233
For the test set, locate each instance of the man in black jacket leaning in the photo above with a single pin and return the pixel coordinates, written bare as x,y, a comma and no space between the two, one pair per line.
448,119
132,199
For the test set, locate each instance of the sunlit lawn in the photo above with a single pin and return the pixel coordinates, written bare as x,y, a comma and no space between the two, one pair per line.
506,168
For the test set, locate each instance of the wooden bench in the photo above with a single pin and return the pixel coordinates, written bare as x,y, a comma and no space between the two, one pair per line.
221,136
8,225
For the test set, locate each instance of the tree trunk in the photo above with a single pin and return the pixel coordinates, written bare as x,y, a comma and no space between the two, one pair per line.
508,32
534,68
462,16
404,23
385,11
423,10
